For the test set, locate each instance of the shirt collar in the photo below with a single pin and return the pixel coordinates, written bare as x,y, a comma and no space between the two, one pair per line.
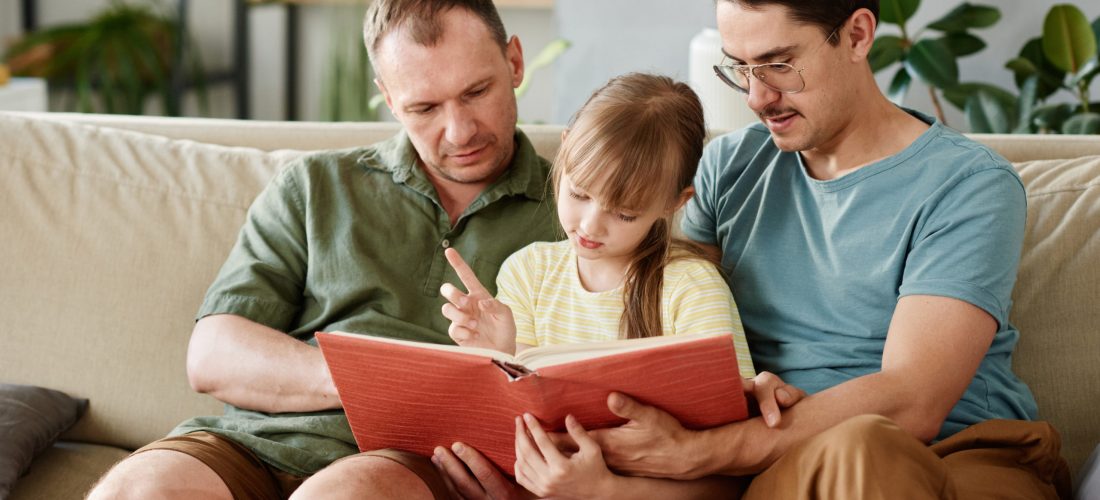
528,174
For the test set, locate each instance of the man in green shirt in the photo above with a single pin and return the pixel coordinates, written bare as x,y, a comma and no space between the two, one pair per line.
353,240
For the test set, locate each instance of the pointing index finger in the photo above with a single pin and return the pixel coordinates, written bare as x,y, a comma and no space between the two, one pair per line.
465,273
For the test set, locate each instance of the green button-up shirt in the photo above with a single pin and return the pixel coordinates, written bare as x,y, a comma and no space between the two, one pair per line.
353,240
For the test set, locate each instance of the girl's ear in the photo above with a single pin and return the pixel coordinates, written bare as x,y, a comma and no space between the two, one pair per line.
682,200
564,132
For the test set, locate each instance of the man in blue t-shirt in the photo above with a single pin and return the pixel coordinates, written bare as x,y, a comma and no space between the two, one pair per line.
872,252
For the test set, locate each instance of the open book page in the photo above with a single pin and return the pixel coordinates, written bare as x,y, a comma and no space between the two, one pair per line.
550,355
477,351
542,356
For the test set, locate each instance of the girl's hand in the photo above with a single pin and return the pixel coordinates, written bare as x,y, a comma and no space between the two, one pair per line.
477,319
546,472
771,394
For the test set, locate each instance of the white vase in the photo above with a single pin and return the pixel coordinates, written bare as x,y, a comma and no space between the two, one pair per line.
723,107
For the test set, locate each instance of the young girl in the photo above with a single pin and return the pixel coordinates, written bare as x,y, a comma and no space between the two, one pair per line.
625,165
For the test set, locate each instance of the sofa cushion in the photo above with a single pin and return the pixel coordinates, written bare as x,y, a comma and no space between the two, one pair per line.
31,419
66,470
1056,296
110,240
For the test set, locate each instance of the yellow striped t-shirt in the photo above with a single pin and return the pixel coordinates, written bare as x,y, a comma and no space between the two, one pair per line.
541,284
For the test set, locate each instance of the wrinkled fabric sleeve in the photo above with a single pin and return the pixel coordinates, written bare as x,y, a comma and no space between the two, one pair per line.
515,288
701,303
969,246
263,278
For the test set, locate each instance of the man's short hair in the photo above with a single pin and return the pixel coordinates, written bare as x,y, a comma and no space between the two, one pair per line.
421,17
827,15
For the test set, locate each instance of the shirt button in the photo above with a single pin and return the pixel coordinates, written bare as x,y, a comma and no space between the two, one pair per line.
446,243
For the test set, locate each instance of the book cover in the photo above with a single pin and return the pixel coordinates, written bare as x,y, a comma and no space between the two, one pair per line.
415,396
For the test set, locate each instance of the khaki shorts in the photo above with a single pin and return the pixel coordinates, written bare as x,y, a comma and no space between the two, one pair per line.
248,477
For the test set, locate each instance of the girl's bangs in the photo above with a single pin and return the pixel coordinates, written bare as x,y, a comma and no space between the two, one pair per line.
624,166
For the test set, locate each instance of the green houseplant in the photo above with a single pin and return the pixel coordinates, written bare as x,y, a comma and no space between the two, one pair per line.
1065,58
113,61
1062,61
931,59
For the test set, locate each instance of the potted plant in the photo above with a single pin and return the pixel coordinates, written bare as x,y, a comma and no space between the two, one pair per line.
931,59
113,62
1063,59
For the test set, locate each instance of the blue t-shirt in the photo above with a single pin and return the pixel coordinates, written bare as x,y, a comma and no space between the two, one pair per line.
817,267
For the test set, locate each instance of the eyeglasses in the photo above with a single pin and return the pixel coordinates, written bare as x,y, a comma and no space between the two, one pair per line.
780,77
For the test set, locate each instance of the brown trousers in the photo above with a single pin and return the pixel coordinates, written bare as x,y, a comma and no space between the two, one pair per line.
870,457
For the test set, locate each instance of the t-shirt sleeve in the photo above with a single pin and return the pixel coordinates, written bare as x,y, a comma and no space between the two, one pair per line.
515,288
264,276
699,221
701,303
968,248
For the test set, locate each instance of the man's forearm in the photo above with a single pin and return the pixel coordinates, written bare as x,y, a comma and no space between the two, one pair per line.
251,366
750,447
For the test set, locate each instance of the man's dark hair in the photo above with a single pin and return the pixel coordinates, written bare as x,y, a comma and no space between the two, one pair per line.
421,18
828,15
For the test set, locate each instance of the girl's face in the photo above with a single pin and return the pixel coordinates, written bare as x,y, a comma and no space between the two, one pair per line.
602,234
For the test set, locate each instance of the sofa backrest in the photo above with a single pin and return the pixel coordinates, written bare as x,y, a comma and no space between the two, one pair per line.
110,238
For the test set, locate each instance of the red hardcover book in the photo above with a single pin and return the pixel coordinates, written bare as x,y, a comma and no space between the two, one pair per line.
416,396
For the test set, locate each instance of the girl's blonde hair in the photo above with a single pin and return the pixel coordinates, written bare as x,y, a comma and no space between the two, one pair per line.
639,139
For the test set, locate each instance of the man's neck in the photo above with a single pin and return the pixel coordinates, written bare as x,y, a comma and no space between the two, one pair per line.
455,196
879,131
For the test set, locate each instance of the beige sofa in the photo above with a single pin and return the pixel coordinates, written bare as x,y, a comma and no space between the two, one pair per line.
111,228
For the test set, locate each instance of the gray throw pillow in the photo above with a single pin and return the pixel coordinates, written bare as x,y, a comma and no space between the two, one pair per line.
31,419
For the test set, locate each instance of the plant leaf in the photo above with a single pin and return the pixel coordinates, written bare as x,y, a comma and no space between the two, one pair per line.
987,115
931,62
886,50
546,56
1050,77
967,16
1050,118
958,94
899,85
897,11
1084,123
1088,71
1096,31
1022,67
1068,40
1026,105
962,44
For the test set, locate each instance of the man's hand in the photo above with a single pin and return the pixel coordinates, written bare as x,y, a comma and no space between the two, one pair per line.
477,319
474,476
652,443
770,394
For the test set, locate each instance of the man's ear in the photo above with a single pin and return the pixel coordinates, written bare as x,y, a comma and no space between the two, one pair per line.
861,33
385,93
514,53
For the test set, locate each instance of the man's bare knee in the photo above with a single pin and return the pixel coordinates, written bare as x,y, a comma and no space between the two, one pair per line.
160,474
364,477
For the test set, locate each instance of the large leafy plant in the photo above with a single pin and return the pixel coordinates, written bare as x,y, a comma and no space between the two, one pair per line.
931,59
113,62
1064,59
